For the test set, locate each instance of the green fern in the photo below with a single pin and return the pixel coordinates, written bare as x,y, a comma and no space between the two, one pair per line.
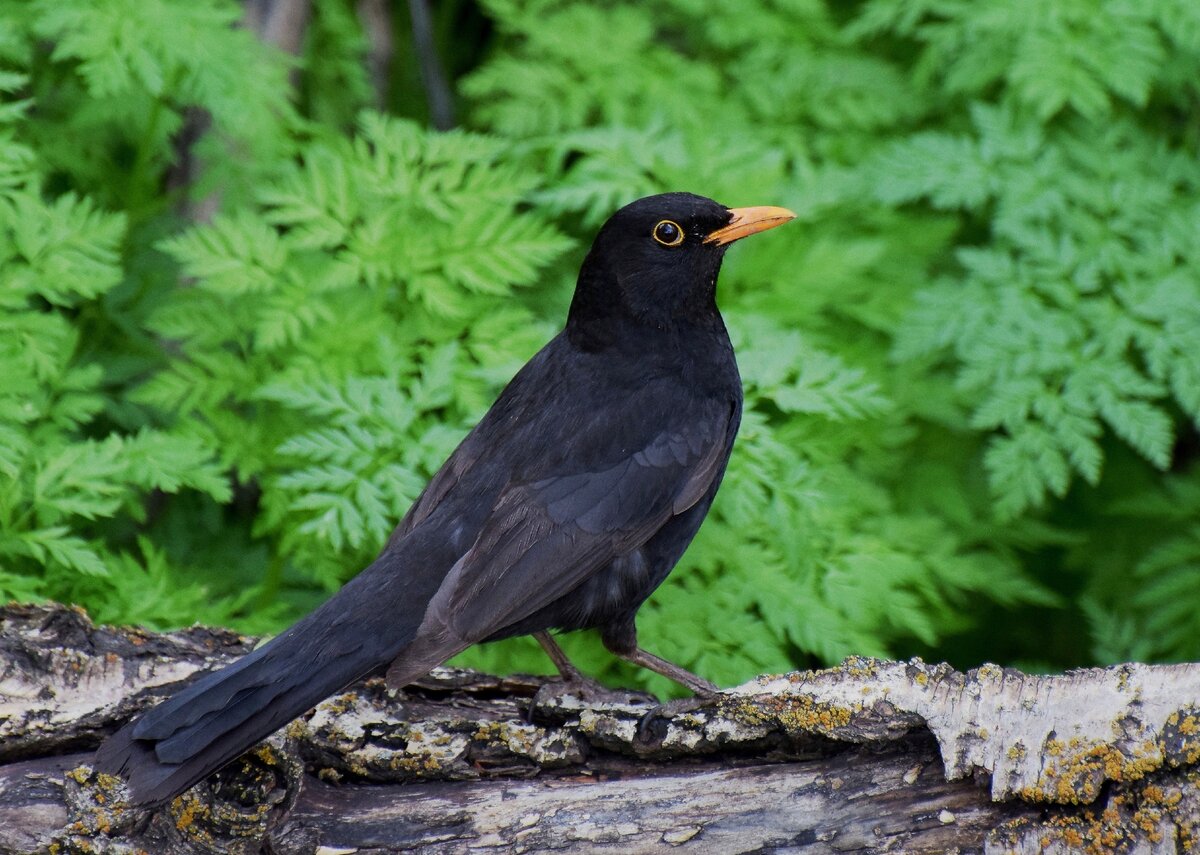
228,363
1078,53
415,237
1052,344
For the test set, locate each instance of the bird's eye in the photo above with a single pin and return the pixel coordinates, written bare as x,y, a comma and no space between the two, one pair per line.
668,233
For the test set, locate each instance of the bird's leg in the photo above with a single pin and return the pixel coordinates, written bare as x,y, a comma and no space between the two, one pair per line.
621,640
559,657
649,730
575,683
699,686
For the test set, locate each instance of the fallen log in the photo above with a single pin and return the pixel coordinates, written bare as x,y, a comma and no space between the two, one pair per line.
870,756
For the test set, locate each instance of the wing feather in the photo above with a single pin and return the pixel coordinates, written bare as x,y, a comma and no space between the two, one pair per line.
545,537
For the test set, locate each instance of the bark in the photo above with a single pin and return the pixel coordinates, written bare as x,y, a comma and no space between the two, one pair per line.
870,756
279,22
376,18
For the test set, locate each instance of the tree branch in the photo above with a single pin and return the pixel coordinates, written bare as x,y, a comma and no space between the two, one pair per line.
279,22
433,77
376,19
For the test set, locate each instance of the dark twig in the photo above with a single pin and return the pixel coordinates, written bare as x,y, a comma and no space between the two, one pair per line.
433,78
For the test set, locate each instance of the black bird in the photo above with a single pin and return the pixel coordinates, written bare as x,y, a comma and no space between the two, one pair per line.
564,508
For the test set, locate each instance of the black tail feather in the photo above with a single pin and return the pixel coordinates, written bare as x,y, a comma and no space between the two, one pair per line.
217,718
205,733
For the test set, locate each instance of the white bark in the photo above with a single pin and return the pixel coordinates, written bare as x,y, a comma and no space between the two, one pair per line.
1052,739
870,756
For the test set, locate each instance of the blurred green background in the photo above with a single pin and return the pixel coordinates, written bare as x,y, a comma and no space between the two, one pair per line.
254,289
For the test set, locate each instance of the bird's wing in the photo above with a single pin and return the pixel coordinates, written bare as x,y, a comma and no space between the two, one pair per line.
547,534
463,458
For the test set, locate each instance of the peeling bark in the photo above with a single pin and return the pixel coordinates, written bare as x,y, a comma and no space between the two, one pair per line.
866,757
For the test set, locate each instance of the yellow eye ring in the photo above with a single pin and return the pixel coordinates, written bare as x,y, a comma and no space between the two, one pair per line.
668,233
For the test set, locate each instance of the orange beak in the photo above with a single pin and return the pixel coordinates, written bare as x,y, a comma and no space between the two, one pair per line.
748,221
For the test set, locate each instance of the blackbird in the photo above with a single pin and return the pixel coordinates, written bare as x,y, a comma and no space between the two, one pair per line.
564,508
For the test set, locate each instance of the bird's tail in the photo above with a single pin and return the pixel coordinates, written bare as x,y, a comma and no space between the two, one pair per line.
221,715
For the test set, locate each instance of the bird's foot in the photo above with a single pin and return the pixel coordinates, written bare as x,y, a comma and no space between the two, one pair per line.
560,699
652,726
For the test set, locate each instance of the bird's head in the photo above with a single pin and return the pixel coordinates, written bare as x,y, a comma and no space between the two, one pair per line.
656,260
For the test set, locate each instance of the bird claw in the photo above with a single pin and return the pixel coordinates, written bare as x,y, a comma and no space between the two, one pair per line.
652,726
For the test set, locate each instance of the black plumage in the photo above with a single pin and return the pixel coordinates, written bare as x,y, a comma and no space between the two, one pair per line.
564,508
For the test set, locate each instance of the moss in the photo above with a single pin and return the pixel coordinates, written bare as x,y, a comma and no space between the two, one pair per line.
187,810
860,666
515,737
794,715
1179,740
417,765
989,671
342,704
267,753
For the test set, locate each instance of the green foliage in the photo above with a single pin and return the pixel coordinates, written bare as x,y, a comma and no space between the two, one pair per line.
1077,316
61,488
243,317
341,334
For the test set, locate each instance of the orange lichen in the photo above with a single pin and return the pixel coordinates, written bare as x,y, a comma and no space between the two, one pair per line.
794,715
860,666
1150,811
187,809
1076,769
